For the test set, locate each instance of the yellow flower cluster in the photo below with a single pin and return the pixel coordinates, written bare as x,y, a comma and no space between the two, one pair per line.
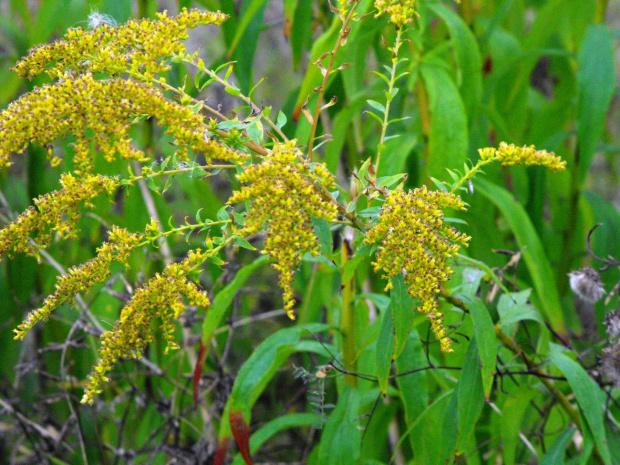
162,298
401,12
513,155
138,45
415,242
285,201
57,211
79,279
84,105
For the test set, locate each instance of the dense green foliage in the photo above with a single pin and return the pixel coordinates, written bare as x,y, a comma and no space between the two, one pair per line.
432,271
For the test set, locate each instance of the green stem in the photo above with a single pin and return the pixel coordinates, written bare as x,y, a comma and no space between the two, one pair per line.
238,93
157,174
188,227
471,173
386,121
347,320
248,143
348,215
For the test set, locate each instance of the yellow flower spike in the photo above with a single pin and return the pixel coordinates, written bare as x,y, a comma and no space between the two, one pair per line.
162,295
509,154
141,45
402,12
416,242
107,108
285,199
81,278
57,211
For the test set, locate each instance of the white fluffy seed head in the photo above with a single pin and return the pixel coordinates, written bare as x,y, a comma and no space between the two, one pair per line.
587,284
96,19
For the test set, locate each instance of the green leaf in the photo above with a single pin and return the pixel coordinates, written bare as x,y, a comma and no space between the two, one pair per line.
350,267
260,368
384,351
402,313
224,298
243,243
485,338
266,432
534,255
252,10
596,79
589,396
448,138
281,120
413,387
389,181
375,116
514,307
301,30
323,233
470,395
484,267
341,438
233,91
376,105
513,412
467,54
555,454
222,214
426,432
471,280
450,430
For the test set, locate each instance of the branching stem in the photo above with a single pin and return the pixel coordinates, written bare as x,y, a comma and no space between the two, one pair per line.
344,33
386,121
157,174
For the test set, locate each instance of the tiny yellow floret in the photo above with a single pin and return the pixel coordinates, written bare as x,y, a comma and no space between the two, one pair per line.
58,211
138,45
402,12
527,155
285,199
415,242
81,278
160,298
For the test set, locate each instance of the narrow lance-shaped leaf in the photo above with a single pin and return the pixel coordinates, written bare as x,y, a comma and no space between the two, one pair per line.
589,397
470,395
534,255
467,56
254,376
402,313
555,454
216,313
448,138
596,79
485,337
413,387
341,438
266,432
384,353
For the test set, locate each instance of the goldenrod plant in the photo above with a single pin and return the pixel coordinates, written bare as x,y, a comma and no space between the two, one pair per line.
423,283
